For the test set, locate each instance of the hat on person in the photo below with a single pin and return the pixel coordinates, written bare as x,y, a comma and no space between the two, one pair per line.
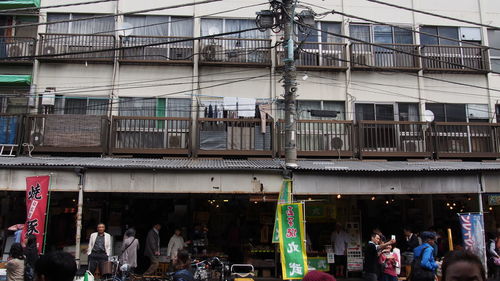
428,235
315,275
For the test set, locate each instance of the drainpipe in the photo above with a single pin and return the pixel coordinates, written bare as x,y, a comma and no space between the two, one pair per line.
80,172
480,199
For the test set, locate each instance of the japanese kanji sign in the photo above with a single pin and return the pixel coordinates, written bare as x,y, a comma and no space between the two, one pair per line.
284,197
473,234
292,240
37,191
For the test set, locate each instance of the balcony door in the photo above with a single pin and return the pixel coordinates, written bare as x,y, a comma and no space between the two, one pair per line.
375,136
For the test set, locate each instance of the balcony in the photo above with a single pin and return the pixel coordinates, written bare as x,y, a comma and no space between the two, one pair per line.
77,47
366,56
462,140
454,59
222,136
394,139
235,51
67,133
319,56
17,49
326,138
163,49
150,135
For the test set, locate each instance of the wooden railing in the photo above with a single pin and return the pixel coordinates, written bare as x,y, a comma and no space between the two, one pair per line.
235,51
67,133
395,56
394,138
17,49
321,138
156,49
223,136
318,55
454,58
150,135
77,47
460,139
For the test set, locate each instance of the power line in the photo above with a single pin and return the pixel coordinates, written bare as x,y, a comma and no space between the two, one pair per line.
433,14
7,11
112,15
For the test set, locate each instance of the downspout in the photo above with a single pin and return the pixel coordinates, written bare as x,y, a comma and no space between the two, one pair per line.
80,172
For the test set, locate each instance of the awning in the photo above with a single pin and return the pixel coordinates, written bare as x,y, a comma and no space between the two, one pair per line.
19,4
15,79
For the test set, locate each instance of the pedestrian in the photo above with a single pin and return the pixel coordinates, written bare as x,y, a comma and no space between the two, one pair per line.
372,250
424,266
99,248
18,230
31,254
15,264
152,249
408,245
315,275
176,244
389,261
181,267
493,256
56,266
463,265
379,232
340,241
129,249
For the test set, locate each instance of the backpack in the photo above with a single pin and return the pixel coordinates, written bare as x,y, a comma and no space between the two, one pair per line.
418,272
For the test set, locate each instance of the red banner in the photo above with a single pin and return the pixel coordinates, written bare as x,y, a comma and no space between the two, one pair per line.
37,194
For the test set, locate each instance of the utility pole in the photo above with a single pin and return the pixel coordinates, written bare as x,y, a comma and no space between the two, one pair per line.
290,85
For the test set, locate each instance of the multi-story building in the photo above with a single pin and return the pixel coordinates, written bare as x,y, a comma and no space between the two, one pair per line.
126,80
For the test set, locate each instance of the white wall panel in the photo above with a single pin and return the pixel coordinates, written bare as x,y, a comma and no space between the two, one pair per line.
383,87
451,93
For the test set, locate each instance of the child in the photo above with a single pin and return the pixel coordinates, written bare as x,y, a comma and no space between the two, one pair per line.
390,262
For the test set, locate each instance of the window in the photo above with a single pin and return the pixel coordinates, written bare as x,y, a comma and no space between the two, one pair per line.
81,105
160,26
370,111
447,112
153,107
14,101
216,26
494,41
464,34
304,107
408,112
105,25
382,34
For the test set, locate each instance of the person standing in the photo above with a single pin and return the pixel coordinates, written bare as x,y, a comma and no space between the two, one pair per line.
340,241
176,244
152,249
15,265
425,255
56,266
371,262
493,254
409,244
129,249
389,261
99,248
31,254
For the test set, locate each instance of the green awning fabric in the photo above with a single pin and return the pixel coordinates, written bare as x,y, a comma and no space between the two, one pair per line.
11,4
15,79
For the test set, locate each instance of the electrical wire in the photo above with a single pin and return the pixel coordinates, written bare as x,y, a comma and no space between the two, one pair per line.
434,14
5,11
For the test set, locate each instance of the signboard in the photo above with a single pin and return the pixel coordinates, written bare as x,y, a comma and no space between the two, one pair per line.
284,197
37,193
354,259
318,263
494,199
473,234
292,240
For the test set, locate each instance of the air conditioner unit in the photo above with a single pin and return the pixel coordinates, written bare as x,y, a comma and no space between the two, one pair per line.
413,146
181,53
336,143
362,59
213,53
160,52
177,141
50,50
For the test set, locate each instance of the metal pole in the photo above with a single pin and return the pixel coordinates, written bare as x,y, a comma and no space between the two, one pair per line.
290,85
79,217
480,199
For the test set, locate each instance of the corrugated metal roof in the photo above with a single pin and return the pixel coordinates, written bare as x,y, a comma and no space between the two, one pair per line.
228,164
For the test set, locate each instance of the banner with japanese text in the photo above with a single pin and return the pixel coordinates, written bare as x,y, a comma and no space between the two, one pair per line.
284,197
473,234
292,240
37,193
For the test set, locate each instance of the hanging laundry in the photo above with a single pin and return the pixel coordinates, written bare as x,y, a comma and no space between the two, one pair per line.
246,107
265,110
230,103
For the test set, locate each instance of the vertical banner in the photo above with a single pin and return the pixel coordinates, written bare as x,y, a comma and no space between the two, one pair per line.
37,193
284,197
473,234
292,240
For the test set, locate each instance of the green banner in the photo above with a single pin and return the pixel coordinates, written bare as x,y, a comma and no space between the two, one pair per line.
284,197
292,241
318,263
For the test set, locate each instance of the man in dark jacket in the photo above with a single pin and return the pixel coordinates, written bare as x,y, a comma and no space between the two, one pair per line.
408,245
152,249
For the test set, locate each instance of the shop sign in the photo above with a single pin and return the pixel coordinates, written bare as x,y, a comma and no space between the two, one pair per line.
354,259
37,193
318,263
292,240
284,197
473,234
494,199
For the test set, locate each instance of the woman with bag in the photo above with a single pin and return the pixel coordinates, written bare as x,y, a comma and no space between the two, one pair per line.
128,256
15,264
424,266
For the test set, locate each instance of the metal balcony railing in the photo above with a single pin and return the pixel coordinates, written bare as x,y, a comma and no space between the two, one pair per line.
396,56
156,49
235,51
318,55
17,49
454,58
77,47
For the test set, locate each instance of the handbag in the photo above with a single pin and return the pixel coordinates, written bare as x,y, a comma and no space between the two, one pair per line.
418,272
496,261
